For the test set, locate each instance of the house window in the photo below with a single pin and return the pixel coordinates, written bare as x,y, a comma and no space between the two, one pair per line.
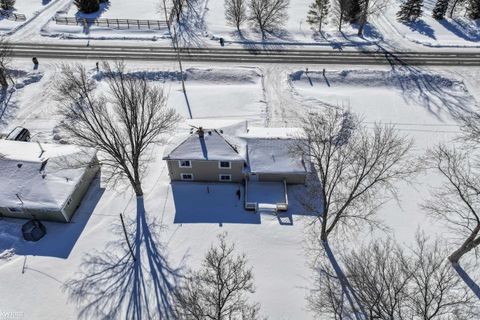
184,164
224,164
15,210
68,202
186,176
225,177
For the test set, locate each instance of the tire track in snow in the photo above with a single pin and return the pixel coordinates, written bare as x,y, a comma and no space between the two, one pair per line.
285,107
282,105
32,28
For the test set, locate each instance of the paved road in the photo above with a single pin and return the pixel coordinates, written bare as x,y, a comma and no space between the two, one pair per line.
290,56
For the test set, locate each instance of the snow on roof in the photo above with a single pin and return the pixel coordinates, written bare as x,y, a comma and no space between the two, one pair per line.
227,126
41,176
274,156
213,146
283,133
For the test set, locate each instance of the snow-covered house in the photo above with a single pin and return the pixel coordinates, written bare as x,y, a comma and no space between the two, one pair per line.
45,181
235,152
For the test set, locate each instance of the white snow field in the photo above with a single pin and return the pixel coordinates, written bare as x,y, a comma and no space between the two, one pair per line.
207,24
119,9
418,103
457,32
29,8
35,276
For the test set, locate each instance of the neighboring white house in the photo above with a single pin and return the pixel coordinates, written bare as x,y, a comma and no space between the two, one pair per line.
233,152
44,181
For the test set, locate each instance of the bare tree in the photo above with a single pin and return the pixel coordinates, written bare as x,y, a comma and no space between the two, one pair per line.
122,124
268,15
180,9
341,7
327,300
394,284
219,289
436,291
317,13
5,58
236,12
376,275
370,8
356,168
457,201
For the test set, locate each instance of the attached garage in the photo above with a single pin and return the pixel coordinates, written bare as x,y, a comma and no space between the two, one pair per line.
273,159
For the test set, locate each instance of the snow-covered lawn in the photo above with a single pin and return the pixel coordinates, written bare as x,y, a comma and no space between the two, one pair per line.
209,24
295,32
123,9
207,89
30,8
456,32
119,9
418,101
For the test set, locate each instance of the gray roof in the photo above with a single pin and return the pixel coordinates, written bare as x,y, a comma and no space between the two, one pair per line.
274,156
213,146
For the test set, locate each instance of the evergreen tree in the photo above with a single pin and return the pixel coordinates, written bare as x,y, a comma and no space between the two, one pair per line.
353,11
410,11
7,4
87,6
317,15
440,9
473,9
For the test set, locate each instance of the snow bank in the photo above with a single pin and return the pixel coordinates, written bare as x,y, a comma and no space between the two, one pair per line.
224,76
402,79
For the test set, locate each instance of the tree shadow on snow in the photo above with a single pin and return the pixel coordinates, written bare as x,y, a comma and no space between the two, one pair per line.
113,285
467,31
467,279
421,27
431,90
191,29
94,15
256,46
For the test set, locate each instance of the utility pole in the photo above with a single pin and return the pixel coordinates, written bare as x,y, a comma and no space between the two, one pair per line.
175,45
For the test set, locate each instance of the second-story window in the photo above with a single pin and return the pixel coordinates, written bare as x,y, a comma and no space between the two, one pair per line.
224,164
184,164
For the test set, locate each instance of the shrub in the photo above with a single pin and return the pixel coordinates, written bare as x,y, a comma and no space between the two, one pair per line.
7,4
87,6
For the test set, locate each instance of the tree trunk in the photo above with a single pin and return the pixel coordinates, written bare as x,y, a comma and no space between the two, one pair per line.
454,5
340,22
363,22
137,187
3,78
323,234
467,246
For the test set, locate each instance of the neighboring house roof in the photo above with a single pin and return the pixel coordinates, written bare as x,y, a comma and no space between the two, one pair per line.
42,176
270,155
213,146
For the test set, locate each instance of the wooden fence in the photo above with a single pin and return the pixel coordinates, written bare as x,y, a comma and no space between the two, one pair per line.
113,23
13,16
